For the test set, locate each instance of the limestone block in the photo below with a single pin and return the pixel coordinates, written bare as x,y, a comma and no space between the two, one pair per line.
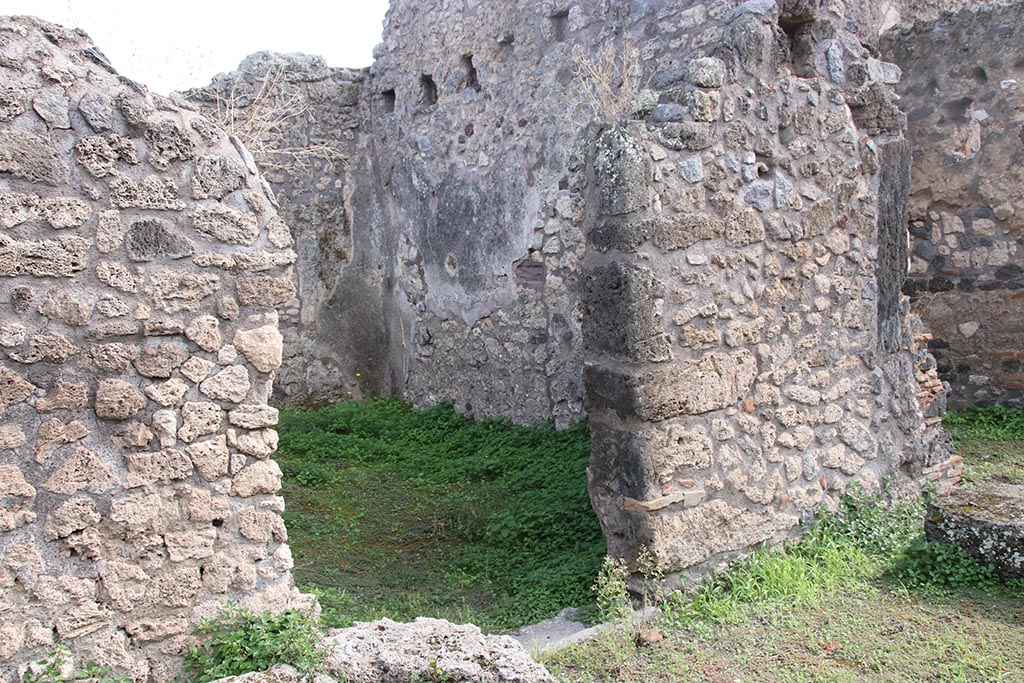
160,360
279,234
176,587
31,157
253,416
263,347
169,393
259,261
64,212
261,526
199,418
163,465
215,177
12,334
743,228
17,208
174,291
11,437
168,141
125,584
13,388
132,435
69,306
16,499
82,619
99,155
61,257
260,443
143,514
72,515
388,651
230,384
152,239
227,307
857,436
154,630
690,388
263,290
118,276
197,369
12,637
82,471
45,347
226,225
210,457
97,111
165,427
64,395
153,193
53,434
200,505
204,331
263,476
109,231
118,400
190,545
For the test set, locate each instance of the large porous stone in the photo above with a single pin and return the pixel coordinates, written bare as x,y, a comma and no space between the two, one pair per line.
226,225
263,347
715,382
986,523
622,312
153,239
31,157
623,170
428,649
118,400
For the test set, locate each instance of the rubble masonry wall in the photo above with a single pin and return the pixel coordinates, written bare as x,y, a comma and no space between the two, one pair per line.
141,262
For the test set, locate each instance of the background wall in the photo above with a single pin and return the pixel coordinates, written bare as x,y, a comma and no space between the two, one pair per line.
963,76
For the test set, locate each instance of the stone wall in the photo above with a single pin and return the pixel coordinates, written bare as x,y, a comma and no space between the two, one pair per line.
963,79
749,354
140,266
305,157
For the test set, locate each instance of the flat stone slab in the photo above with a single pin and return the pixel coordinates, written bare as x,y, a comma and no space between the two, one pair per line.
986,523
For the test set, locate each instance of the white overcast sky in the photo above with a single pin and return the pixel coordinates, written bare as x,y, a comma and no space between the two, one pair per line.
177,44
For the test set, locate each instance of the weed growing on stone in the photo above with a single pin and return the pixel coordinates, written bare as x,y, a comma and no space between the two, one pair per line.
398,512
613,602
610,85
57,668
261,120
241,641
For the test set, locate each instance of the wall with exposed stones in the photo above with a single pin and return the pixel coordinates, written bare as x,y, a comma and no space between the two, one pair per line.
963,79
141,263
306,160
749,354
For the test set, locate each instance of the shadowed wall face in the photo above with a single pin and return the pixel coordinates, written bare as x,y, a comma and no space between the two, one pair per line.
962,88
141,267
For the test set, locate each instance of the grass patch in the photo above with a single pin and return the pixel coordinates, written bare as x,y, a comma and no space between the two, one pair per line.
862,597
991,441
401,513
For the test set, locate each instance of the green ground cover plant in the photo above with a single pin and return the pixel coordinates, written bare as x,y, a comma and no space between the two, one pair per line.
241,641
991,440
401,513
